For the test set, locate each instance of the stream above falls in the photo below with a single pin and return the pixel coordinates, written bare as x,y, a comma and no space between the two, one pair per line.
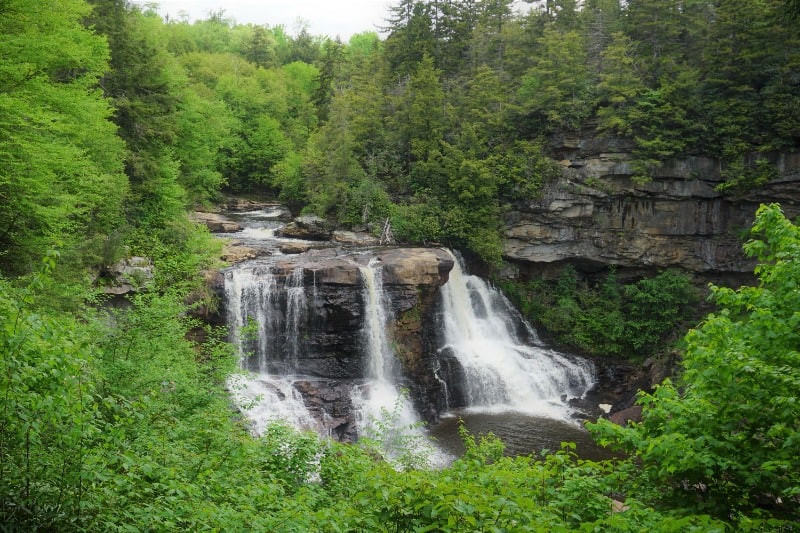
339,336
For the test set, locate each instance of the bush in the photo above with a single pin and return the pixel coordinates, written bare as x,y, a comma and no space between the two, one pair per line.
633,320
724,438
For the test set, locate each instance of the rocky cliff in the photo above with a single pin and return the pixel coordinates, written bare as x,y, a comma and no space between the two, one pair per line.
321,338
595,215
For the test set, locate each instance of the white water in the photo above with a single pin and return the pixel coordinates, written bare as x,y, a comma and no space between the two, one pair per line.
379,397
266,398
295,313
502,373
259,234
254,316
252,302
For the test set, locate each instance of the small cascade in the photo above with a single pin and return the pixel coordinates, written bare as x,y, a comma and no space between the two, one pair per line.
379,395
267,398
265,340
253,311
295,313
502,371
267,321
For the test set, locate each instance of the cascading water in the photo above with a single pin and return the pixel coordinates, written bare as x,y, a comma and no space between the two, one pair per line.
307,364
500,371
267,344
379,395
295,313
251,302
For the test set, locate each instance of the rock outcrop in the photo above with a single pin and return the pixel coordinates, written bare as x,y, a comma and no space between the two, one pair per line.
596,215
128,275
216,223
310,228
324,341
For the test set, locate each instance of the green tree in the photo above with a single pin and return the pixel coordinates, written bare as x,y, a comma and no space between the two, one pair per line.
260,49
144,83
656,27
49,413
724,439
422,122
205,126
61,179
556,91
620,86
411,37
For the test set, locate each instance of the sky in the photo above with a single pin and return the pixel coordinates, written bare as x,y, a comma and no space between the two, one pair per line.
333,18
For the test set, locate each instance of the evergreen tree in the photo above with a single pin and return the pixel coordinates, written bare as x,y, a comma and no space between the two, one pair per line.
411,37
555,93
143,86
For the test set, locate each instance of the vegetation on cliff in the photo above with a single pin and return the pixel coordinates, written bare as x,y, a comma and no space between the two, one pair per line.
630,320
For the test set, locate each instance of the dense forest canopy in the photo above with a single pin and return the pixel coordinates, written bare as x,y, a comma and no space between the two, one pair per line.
114,122
438,127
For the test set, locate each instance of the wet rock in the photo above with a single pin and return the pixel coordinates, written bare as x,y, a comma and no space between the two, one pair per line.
330,403
293,248
216,223
631,414
311,228
415,266
235,252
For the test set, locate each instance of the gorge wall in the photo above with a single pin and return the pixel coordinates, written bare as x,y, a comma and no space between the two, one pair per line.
596,216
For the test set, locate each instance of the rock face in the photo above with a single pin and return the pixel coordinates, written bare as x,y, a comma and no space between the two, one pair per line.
309,228
596,215
128,275
318,300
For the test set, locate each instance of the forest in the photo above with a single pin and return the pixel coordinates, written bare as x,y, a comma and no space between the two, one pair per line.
115,123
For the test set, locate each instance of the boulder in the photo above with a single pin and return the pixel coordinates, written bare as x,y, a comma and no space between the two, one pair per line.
292,248
311,228
216,223
415,266
355,238
631,414
130,274
235,252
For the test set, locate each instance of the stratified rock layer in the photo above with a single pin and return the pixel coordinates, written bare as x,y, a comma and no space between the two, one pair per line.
597,215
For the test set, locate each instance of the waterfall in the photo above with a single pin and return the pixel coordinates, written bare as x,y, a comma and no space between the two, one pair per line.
268,398
266,328
295,313
501,371
267,321
379,396
251,297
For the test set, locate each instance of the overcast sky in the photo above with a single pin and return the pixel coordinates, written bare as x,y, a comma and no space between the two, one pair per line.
333,18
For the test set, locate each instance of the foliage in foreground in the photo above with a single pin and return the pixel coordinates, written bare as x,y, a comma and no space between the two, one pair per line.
724,438
116,422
